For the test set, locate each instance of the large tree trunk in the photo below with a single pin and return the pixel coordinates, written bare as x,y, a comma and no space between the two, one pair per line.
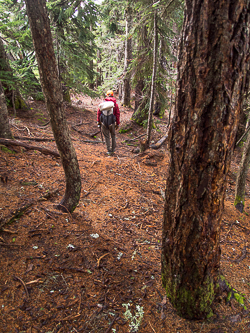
239,201
42,39
5,131
211,74
127,58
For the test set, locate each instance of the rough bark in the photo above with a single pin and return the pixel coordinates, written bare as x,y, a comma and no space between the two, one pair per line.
5,131
127,58
239,201
210,86
42,39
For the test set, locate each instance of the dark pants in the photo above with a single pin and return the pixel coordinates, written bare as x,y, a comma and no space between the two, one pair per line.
107,132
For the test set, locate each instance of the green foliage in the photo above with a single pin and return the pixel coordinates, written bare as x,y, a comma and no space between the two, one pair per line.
73,25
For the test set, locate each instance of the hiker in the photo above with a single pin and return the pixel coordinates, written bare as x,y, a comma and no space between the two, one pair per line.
108,118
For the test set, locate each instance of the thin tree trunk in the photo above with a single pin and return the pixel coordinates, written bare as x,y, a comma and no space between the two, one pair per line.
5,131
151,105
239,201
42,39
127,58
210,89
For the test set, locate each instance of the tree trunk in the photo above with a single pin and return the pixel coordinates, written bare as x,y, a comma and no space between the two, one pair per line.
151,105
138,94
210,87
242,125
8,81
239,201
127,58
5,131
42,39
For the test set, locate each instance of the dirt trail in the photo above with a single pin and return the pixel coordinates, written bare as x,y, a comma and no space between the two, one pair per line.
80,272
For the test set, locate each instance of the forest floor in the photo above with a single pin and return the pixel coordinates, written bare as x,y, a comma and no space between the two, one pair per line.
99,269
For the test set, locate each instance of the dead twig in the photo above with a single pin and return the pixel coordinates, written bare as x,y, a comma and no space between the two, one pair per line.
44,125
152,327
9,231
12,245
99,260
242,256
24,285
71,317
138,137
34,281
112,323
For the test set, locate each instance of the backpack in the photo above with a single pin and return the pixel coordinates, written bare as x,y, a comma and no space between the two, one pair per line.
107,117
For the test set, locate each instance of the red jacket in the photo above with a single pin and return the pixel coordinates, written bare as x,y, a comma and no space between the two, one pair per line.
116,110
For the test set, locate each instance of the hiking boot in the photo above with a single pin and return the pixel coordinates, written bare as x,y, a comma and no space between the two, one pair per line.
110,153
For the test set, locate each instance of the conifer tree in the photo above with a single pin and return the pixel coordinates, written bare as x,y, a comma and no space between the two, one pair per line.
42,38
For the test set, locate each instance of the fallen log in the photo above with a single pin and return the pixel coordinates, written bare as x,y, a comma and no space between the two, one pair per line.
46,151
33,139
159,143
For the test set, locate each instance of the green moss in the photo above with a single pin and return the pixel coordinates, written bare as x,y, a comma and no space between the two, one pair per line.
233,293
190,304
125,130
240,299
7,150
66,96
39,97
238,200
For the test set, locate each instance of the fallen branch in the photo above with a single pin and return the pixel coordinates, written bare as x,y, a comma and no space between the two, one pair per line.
95,133
159,143
91,141
84,133
17,213
9,142
44,125
112,323
242,256
33,139
140,136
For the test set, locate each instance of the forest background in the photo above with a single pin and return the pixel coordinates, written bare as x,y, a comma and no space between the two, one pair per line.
130,47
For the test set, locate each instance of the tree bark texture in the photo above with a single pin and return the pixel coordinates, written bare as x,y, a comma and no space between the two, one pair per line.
210,86
5,131
151,104
239,201
127,58
42,39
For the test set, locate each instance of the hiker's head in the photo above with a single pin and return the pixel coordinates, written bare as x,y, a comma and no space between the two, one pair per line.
110,93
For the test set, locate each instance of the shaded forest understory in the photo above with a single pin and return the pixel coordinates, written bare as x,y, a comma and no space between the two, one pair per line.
98,270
